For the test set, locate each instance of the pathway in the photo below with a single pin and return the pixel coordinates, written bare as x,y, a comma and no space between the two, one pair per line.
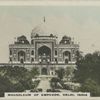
44,84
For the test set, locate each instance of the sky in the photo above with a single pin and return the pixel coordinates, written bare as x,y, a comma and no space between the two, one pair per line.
82,23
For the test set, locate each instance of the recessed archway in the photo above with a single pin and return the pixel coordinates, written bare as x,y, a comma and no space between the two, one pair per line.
44,71
44,54
68,55
44,50
21,56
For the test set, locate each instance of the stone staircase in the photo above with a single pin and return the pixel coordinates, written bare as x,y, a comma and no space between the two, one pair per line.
44,84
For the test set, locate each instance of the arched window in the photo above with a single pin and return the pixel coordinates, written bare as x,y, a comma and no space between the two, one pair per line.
55,52
55,59
32,52
10,52
44,50
10,59
67,54
21,56
32,59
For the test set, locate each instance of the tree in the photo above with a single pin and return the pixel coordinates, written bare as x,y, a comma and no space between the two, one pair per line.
54,82
60,72
69,72
14,79
34,72
26,83
88,73
91,86
88,67
78,55
15,73
5,85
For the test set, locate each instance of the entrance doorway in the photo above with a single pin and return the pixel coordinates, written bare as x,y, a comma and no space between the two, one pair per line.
44,54
44,71
21,56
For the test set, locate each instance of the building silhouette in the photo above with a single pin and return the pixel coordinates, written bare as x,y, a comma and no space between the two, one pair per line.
43,52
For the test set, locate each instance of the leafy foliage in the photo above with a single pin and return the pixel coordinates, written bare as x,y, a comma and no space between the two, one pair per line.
60,72
88,67
15,79
91,86
54,82
88,73
5,85
34,72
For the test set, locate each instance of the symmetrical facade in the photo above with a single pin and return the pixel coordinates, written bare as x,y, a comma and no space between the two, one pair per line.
43,52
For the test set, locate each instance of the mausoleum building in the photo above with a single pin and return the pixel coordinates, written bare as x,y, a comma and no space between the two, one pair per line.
44,52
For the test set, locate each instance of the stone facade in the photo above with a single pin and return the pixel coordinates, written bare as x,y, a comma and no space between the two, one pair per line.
43,51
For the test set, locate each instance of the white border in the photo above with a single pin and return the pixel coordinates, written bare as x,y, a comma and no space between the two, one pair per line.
51,3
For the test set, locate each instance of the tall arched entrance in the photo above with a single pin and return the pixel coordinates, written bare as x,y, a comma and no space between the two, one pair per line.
44,54
67,56
21,56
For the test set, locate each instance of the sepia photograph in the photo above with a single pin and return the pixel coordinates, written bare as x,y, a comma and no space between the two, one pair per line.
50,51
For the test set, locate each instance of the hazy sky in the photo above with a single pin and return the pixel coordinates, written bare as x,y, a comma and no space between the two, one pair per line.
80,22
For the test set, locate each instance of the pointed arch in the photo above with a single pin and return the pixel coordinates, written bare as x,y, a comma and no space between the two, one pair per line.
21,56
44,50
67,55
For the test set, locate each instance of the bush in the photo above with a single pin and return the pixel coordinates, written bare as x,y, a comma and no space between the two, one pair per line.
18,87
5,85
56,83
91,86
15,79
35,84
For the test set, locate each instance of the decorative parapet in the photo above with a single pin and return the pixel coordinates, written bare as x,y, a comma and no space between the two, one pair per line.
20,46
68,46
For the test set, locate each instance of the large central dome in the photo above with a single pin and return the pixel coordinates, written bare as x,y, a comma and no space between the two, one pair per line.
42,29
